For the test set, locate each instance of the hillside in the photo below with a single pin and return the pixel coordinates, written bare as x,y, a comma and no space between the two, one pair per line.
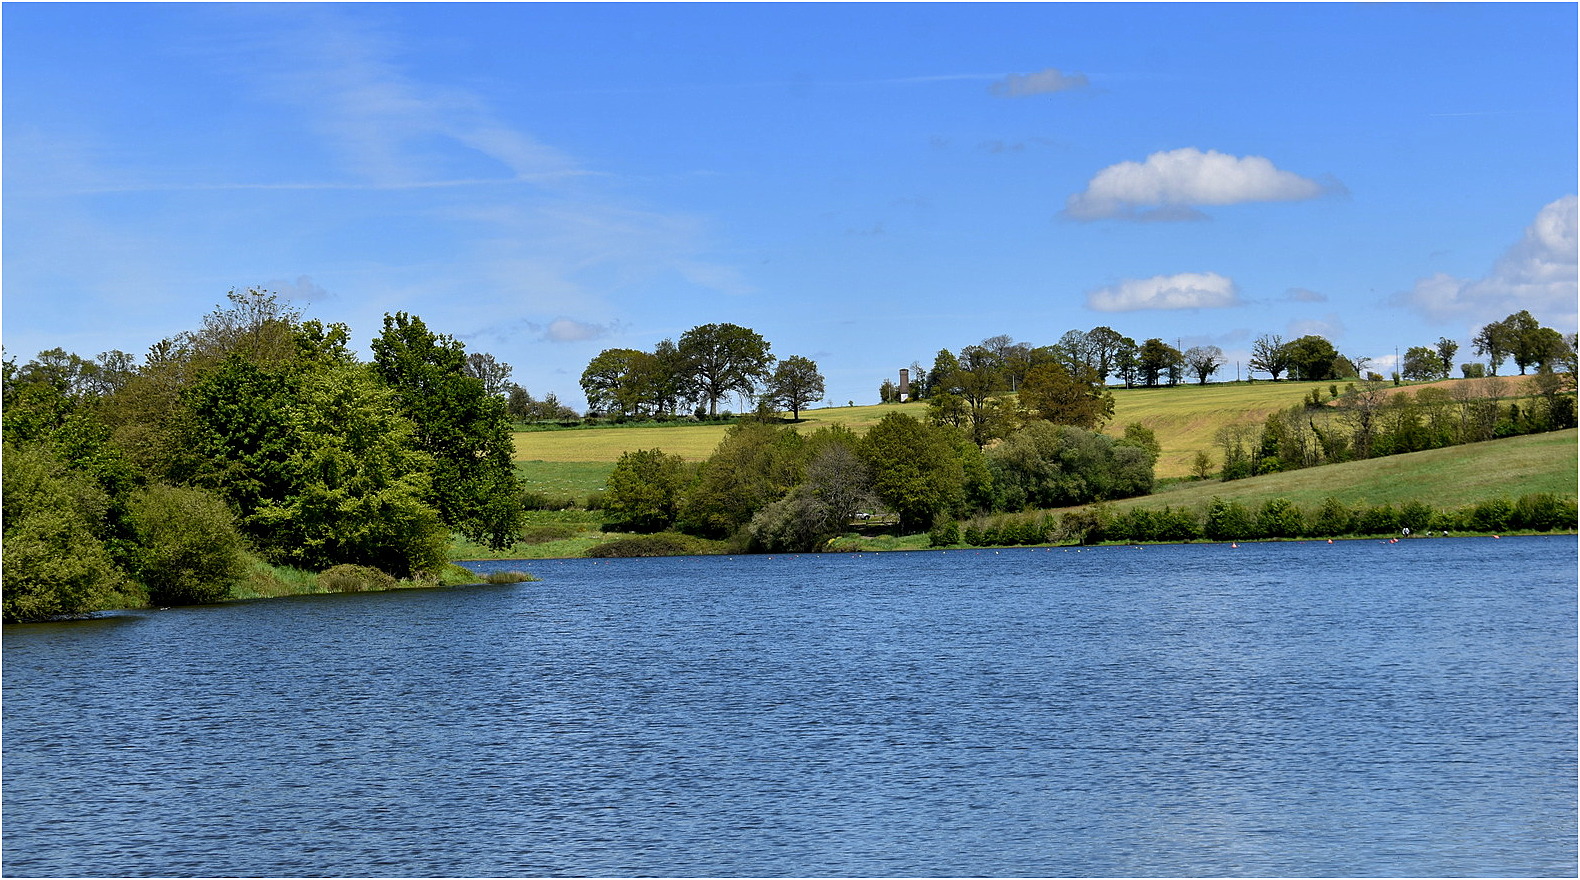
1184,418
1452,477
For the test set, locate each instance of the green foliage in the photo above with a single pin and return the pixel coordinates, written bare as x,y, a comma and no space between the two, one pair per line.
796,382
464,429
1063,396
1382,519
1542,512
56,562
1045,466
754,465
1279,518
358,486
723,359
644,491
1492,515
661,544
1228,520
915,469
1332,519
347,578
188,548
944,533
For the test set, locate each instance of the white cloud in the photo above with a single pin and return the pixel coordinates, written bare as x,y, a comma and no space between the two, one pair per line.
1539,273
1168,186
1302,295
1188,290
1020,85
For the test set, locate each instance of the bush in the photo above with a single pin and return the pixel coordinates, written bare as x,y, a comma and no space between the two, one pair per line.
1228,521
1086,526
1379,520
56,564
189,551
356,579
944,533
1543,512
1279,518
1332,519
1416,515
1177,524
661,544
1491,515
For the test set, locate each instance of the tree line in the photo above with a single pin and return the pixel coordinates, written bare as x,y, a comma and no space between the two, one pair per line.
769,488
708,364
258,433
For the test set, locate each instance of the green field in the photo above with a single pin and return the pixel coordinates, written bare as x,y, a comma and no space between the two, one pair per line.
1452,477
1184,419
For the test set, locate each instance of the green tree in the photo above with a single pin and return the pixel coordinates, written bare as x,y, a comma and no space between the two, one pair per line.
465,430
915,469
644,490
494,374
754,465
1053,393
1446,349
357,482
1159,360
188,548
1422,364
614,381
1311,358
724,359
56,561
795,384
1495,341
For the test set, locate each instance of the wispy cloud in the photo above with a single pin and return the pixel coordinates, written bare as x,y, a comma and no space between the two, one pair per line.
1188,290
1538,273
1170,185
1043,82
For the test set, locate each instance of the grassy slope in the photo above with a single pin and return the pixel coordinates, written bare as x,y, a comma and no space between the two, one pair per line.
1184,419
1446,478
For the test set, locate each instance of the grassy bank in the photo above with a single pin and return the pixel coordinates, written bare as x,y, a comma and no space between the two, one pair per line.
1455,476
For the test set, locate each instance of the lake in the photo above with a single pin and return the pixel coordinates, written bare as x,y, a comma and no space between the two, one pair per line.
1358,708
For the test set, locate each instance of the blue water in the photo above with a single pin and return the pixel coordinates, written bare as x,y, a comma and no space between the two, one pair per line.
1360,708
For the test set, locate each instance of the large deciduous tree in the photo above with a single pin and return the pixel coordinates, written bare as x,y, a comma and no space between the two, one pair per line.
1311,358
915,469
1057,394
724,359
465,430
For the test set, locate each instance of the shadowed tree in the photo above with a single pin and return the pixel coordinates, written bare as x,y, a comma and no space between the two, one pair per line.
796,383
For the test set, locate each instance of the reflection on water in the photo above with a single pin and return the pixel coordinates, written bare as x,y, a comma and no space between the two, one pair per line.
1286,709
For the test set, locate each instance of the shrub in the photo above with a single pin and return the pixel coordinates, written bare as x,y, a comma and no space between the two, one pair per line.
1279,518
944,533
1543,512
1416,515
189,551
1332,519
1491,515
56,564
1228,521
356,579
661,544
1379,520
1086,526
1177,524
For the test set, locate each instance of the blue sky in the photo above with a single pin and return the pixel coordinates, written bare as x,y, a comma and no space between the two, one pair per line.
861,184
